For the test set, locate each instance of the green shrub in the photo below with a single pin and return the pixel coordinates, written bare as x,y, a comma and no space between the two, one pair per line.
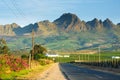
42,62
39,56
45,61
24,56
36,56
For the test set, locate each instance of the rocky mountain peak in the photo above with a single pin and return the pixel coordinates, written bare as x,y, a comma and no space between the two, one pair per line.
8,29
14,25
108,20
95,24
69,16
70,22
118,24
108,24
95,20
66,20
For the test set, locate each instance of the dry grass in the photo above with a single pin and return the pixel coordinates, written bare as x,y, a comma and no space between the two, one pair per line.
35,71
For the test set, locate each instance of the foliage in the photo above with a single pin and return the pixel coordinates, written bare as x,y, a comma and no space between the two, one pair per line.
3,47
12,67
5,50
39,49
38,52
10,63
39,56
45,61
2,42
36,56
24,56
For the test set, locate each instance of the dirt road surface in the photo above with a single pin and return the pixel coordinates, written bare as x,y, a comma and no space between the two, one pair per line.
53,73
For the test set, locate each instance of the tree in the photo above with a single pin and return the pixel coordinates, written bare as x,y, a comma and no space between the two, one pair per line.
2,42
3,46
5,50
38,51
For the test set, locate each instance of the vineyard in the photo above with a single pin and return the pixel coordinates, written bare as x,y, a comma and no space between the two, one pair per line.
103,59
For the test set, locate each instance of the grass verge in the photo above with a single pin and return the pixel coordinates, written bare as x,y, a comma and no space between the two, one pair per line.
25,74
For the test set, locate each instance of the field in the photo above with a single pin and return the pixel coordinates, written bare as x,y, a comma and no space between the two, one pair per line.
103,56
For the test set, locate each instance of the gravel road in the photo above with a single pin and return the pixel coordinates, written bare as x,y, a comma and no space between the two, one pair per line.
53,73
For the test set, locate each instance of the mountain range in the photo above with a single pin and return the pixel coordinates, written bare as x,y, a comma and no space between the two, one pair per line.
68,22
69,32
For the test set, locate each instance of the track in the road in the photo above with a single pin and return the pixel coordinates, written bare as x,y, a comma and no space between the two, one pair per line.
73,72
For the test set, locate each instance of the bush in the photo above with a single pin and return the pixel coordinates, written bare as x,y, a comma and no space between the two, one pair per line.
45,61
3,47
24,56
10,63
39,56
36,56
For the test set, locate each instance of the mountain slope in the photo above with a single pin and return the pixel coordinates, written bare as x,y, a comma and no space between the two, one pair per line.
95,24
70,22
66,33
46,28
8,29
40,28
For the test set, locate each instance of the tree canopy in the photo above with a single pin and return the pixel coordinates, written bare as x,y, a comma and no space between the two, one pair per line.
38,49
38,52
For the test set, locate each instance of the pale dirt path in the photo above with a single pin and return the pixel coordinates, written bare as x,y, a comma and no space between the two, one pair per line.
53,73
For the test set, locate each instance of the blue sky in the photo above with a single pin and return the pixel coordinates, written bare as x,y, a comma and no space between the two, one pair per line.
24,12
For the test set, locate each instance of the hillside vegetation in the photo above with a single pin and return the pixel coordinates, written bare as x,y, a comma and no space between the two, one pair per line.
67,33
